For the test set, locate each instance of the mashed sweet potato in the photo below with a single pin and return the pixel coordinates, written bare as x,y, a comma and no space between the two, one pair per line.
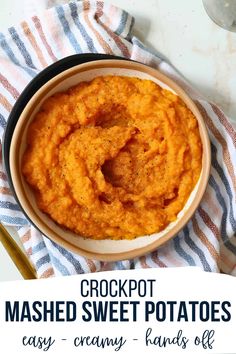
114,158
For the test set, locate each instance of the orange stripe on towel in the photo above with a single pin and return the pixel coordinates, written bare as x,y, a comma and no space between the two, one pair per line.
6,104
33,42
91,265
107,49
210,224
29,251
157,260
118,41
204,239
2,175
12,90
143,262
26,237
39,28
5,191
48,273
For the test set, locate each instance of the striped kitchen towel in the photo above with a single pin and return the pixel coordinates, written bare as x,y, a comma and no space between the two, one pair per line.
208,240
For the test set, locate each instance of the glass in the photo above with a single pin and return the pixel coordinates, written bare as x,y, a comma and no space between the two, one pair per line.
222,12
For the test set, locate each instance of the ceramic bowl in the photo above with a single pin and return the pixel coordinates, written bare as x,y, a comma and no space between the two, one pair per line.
106,250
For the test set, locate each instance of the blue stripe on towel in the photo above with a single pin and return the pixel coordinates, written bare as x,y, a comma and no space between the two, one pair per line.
41,261
122,24
41,245
21,46
70,258
120,265
196,249
67,30
87,38
57,264
9,205
222,203
12,57
11,220
131,28
3,122
131,264
221,174
183,254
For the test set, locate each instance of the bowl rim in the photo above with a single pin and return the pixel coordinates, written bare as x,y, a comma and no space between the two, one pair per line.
17,176
34,85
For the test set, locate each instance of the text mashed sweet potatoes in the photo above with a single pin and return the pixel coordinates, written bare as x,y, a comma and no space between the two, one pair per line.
115,158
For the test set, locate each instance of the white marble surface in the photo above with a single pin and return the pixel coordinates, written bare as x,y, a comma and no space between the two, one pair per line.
181,30
8,270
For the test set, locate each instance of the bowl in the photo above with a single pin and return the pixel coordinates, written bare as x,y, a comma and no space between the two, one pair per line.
105,250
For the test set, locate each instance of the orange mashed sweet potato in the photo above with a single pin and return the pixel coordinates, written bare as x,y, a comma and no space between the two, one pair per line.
115,157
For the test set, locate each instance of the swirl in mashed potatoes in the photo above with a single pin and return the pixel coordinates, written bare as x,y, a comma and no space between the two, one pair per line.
116,157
